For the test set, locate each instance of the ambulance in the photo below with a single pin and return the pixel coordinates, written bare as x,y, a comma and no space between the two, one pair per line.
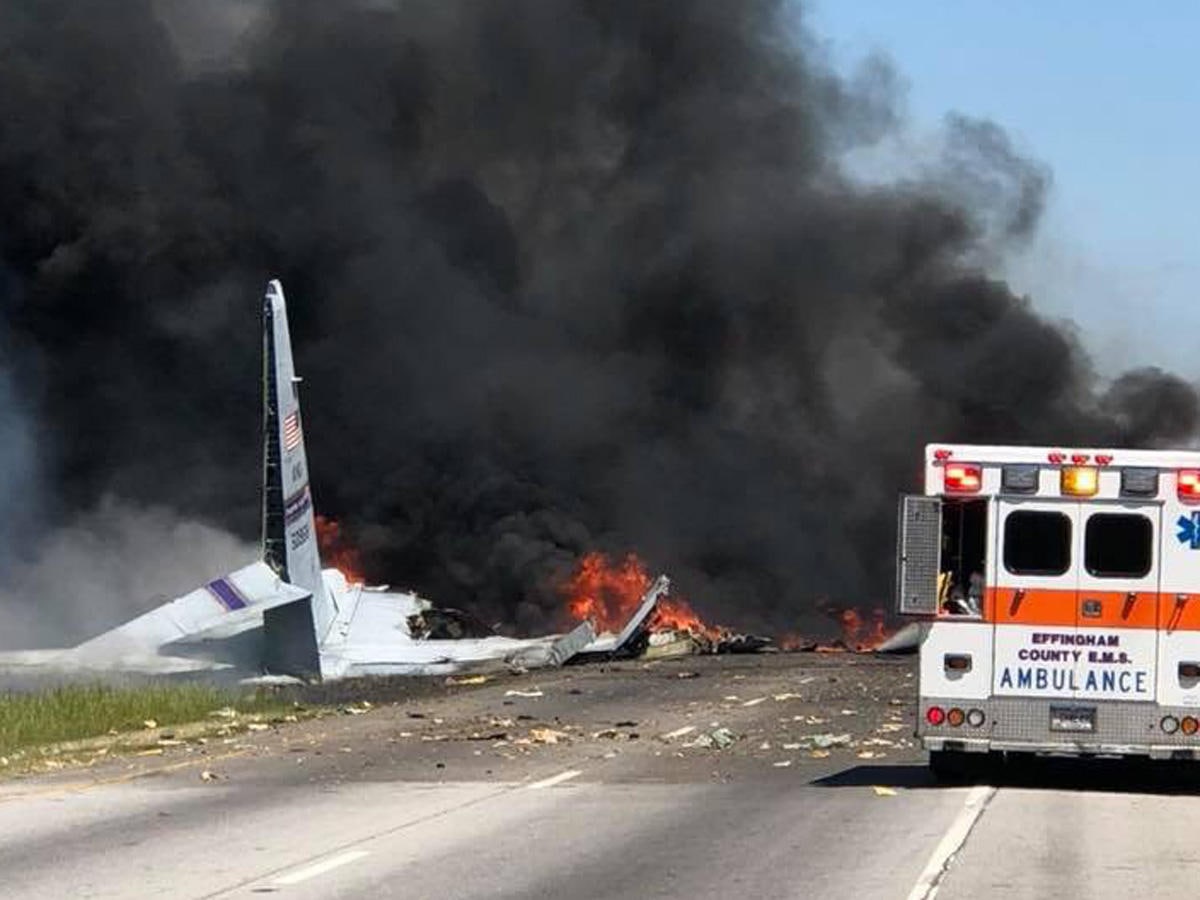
1059,593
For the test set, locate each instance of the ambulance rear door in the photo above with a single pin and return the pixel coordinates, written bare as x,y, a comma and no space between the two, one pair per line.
1033,604
1118,605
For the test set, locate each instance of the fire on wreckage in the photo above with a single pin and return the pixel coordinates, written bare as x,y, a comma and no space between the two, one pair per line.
284,615
605,592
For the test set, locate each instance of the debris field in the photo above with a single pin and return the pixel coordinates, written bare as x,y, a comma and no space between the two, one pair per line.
687,719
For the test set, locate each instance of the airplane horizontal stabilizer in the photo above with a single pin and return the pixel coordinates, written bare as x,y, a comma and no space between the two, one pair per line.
223,608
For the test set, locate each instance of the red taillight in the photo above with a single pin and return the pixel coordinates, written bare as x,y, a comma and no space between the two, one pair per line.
963,479
1103,459
1056,459
1189,484
935,715
1080,459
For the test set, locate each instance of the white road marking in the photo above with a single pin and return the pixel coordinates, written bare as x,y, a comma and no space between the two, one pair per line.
328,865
952,841
555,779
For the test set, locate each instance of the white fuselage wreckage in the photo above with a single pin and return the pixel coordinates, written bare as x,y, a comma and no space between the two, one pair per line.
284,615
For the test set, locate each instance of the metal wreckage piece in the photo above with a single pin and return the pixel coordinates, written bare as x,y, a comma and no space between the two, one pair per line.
906,640
672,642
285,616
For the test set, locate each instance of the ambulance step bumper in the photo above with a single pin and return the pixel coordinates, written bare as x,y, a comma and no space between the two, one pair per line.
1060,749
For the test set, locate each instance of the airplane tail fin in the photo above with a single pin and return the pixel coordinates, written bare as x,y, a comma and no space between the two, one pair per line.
289,529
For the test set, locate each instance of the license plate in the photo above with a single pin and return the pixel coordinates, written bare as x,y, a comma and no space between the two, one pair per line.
1072,718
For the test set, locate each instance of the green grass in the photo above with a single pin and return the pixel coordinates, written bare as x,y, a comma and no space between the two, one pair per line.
76,712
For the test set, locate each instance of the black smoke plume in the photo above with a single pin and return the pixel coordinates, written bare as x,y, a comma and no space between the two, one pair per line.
564,276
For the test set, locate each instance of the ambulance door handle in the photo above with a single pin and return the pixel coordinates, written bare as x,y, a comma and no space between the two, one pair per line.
1130,599
1092,608
1017,596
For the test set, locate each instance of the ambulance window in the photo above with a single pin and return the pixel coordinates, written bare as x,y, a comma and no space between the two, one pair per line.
1037,543
1118,545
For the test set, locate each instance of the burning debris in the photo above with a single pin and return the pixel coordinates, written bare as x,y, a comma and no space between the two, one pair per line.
604,592
858,634
607,594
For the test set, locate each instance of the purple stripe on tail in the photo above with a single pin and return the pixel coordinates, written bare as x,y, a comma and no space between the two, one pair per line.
226,594
299,504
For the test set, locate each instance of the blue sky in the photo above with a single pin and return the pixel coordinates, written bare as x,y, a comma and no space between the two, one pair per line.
1107,95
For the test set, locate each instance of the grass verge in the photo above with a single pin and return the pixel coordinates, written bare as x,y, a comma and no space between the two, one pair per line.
75,712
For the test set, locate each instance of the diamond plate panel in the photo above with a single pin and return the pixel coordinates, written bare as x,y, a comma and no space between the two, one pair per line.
919,540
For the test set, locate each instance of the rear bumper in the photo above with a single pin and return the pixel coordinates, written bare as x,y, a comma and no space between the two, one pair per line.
1022,725
1150,751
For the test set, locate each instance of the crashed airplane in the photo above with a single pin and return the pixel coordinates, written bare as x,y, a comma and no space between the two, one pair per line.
284,615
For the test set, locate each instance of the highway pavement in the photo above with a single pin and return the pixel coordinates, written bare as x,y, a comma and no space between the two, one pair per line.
782,776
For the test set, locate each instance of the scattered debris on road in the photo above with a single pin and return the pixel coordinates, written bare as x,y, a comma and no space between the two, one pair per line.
547,735
824,741
717,739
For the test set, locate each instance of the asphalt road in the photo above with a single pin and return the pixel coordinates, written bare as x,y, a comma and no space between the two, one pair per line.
598,783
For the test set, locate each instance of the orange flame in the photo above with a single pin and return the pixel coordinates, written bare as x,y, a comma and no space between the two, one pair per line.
792,641
609,593
336,552
859,634
676,614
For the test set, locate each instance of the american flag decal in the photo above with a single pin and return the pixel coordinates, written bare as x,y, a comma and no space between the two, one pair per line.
291,431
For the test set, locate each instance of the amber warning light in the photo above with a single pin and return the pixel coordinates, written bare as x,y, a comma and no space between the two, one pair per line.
1080,481
964,479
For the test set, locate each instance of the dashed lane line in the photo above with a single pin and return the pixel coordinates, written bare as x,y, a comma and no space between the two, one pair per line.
320,868
555,779
351,854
